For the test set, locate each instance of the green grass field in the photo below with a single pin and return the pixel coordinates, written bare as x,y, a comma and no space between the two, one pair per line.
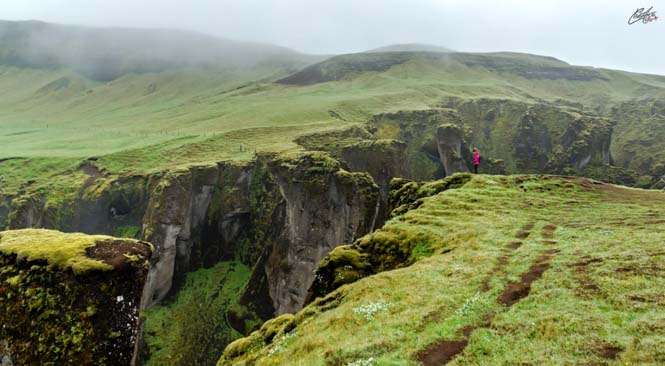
148,122
526,270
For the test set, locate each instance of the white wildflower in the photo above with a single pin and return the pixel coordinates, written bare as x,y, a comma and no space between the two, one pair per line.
368,311
468,304
366,362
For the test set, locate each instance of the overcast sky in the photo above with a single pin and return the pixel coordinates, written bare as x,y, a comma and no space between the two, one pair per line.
581,32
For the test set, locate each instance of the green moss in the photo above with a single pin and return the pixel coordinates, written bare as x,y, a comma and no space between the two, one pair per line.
333,141
66,251
193,328
406,195
243,345
129,231
418,130
597,293
265,335
60,312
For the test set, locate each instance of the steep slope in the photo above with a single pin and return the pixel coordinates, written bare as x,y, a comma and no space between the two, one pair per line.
506,270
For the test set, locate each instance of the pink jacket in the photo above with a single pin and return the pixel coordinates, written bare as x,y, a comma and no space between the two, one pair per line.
476,158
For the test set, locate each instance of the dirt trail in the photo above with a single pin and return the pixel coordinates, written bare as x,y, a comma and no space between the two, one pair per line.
442,352
499,268
93,172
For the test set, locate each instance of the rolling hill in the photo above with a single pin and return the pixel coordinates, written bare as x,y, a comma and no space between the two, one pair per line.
246,164
104,54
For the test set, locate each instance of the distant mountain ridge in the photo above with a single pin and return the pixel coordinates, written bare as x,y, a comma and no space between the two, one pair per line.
410,47
107,53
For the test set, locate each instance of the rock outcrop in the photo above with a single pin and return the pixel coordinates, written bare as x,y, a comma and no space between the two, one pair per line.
323,207
587,140
383,160
69,298
177,208
449,139
277,215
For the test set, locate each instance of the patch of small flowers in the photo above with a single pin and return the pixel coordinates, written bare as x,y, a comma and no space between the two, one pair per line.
368,311
280,344
468,304
365,362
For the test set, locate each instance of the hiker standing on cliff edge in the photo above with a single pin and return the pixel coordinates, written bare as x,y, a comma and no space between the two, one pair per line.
476,160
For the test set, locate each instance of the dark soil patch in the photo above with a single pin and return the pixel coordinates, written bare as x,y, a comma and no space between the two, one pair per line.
515,244
548,231
93,173
441,353
586,262
498,269
468,330
644,269
527,227
587,287
522,234
608,351
549,242
116,252
642,299
430,318
656,253
517,291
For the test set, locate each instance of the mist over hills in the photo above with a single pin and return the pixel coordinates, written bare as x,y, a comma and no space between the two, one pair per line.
250,167
411,47
106,53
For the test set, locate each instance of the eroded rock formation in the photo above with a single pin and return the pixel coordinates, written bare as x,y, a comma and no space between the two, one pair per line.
69,298
449,139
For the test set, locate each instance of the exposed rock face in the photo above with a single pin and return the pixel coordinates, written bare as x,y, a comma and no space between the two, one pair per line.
533,145
449,140
384,249
261,210
27,211
177,207
323,207
418,129
588,140
69,298
383,160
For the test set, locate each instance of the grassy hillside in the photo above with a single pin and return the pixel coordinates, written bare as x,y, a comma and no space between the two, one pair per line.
105,54
52,118
510,270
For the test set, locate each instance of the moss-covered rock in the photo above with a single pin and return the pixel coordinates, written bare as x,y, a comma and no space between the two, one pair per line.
69,298
383,160
418,129
406,195
388,248
449,141
323,206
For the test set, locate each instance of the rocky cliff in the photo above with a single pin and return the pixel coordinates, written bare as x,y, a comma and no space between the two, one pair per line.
323,207
449,140
279,215
69,298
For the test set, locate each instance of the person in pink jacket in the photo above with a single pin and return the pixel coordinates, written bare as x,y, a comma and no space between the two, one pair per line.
476,160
